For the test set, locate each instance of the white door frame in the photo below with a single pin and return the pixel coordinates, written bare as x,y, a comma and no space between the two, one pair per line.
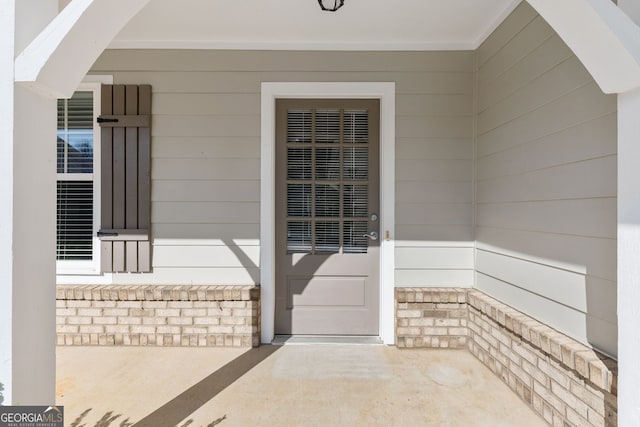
385,92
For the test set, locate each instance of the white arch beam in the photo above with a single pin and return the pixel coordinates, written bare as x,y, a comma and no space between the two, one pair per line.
601,35
59,57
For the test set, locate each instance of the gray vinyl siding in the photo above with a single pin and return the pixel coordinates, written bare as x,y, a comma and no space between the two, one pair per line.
206,156
546,182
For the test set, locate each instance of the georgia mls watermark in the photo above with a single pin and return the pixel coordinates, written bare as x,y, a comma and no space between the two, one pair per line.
31,416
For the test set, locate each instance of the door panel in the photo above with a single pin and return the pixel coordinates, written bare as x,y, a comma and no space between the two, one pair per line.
327,201
327,291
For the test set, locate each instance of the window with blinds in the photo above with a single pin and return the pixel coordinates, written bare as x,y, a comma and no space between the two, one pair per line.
327,180
75,179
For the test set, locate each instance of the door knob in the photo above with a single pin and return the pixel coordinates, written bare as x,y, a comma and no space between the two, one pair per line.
371,235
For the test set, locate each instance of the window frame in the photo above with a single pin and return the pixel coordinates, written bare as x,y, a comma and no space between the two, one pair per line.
87,267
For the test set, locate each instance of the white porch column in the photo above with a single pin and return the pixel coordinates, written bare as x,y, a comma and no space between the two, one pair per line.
6,192
628,258
34,246
629,246
27,217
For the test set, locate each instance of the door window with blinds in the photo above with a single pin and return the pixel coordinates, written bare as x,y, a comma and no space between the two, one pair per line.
327,181
77,187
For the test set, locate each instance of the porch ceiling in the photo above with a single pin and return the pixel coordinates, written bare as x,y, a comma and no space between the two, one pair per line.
300,24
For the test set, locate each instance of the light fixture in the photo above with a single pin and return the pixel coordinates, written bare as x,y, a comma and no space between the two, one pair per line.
337,4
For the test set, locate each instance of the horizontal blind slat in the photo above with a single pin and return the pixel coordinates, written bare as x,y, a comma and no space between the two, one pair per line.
327,126
299,126
327,236
74,230
356,126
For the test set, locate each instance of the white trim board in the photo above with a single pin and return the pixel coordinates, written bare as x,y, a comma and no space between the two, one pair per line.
385,92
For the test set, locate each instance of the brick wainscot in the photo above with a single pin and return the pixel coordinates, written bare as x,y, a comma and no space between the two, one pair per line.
207,316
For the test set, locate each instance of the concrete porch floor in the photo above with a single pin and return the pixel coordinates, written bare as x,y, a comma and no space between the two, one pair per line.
292,385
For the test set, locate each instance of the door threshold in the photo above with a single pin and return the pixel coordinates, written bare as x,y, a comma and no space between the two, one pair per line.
326,340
